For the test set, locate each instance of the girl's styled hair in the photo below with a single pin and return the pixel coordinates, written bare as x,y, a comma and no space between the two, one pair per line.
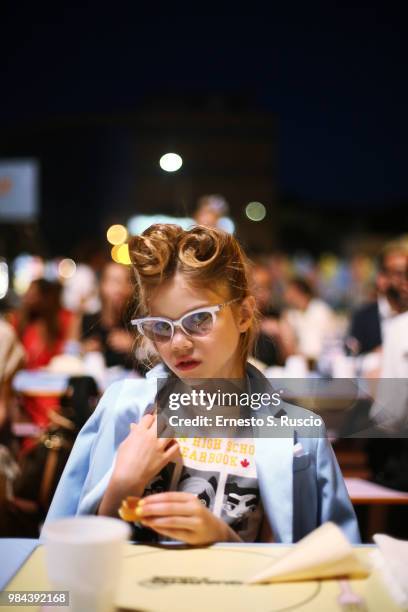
206,257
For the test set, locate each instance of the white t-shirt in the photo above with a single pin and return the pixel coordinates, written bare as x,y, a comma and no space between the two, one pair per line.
222,473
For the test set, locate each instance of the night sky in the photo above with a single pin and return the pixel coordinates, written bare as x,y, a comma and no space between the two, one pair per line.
335,78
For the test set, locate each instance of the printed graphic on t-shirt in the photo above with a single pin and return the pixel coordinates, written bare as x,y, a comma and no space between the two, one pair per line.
221,472
201,483
241,504
161,482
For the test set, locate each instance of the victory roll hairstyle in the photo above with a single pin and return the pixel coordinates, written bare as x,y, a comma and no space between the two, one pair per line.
206,257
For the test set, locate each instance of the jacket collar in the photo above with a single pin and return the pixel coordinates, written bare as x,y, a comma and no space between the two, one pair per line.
159,371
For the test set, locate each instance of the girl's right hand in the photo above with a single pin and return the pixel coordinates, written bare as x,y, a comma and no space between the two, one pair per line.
142,455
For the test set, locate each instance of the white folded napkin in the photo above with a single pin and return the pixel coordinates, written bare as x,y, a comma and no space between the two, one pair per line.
324,553
391,560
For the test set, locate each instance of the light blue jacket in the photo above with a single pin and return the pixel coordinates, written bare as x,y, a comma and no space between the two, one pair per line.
298,493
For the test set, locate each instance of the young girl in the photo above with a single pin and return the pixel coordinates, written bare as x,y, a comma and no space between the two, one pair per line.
195,306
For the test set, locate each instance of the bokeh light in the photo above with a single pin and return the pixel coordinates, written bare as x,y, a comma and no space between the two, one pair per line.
226,224
117,234
120,254
4,279
170,162
139,223
66,268
255,211
26,268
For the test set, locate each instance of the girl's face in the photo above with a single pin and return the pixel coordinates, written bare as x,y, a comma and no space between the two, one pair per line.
215,355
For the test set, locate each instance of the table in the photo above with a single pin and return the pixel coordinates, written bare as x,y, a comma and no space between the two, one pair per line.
365,492
40,383
43,383
377,498
148,581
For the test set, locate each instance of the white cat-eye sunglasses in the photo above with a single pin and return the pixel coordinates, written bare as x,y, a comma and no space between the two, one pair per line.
197,322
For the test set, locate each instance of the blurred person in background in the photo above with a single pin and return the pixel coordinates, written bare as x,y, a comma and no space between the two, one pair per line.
345,284
210,209
362,280
279,268
42,324
81,291
388,455
12,357
391,408
276,339
43,327
106,331
369,322
311,319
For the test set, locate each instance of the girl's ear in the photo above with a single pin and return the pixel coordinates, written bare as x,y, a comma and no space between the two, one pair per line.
246,313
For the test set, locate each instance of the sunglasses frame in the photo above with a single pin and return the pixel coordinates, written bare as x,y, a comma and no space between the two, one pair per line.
179,322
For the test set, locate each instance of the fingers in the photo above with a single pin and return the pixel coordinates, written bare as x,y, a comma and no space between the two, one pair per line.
171,510
170,514
164,431
147,422
167,445
167,497
151,421
172,451
187,523
176,534
164,443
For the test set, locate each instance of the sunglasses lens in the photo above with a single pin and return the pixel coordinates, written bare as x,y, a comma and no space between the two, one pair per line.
199,323
158,331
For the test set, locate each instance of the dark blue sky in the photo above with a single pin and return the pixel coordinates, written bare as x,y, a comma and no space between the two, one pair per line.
334,76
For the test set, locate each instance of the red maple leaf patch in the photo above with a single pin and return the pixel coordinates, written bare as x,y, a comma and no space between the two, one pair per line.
245,463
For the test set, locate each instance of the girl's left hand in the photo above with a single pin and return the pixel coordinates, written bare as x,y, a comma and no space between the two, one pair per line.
183,517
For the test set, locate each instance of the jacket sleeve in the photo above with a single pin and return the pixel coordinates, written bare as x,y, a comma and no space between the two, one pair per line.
95,433
334,503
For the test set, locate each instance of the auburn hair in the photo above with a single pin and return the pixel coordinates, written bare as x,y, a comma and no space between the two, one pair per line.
206,257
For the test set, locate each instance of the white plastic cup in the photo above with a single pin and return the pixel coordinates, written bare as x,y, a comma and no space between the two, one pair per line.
83,556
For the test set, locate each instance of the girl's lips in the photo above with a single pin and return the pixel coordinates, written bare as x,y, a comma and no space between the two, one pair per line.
187,364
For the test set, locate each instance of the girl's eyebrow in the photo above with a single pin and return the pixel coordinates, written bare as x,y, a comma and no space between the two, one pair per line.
184,313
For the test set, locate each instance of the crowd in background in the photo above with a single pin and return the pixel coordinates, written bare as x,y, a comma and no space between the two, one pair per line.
332,317
305,308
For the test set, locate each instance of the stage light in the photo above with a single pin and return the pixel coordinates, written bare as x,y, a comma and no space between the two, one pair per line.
255,211
170,162
66,268
117,234
114,253
120,254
